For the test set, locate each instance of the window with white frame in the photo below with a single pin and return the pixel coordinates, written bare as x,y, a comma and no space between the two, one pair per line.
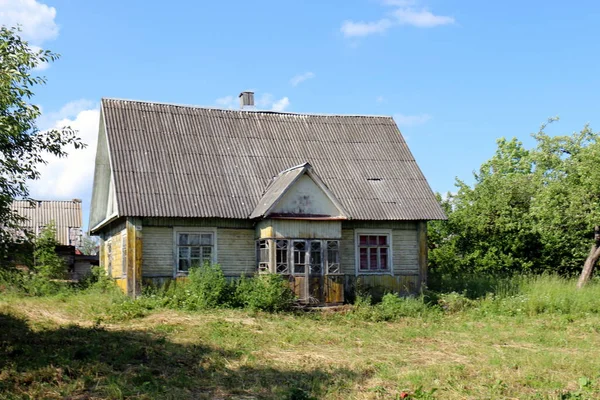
262,255
333,257
373,249
193,249
299,256
282,265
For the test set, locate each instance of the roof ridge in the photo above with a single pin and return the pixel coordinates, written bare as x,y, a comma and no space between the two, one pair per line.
245,111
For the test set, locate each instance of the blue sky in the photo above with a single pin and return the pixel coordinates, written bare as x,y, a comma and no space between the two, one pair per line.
456,75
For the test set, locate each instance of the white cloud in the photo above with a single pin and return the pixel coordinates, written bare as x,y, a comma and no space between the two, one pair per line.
421,19
352,29
226,102
411,120
404,13
281,104
36,19
69,110
380,99
72,176
298,79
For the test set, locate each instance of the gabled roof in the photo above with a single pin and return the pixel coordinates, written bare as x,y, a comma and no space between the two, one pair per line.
280,185
183,161
39,213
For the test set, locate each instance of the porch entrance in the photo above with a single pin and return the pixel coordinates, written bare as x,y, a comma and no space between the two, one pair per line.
316,272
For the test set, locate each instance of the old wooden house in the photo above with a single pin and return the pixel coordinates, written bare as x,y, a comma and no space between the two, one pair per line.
325,200
66,215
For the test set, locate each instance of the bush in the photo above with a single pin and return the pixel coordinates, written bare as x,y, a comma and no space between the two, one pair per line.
48,264
392,307
97,279
205,287
264,292
29,284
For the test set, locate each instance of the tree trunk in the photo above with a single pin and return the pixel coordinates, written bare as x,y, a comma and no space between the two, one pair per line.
590,262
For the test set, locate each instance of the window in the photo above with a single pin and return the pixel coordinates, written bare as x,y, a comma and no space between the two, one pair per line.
194,249
373,252
282,265
333,257
299,257
262,255
315,257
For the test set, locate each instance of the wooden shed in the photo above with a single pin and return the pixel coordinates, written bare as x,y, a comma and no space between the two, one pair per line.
324,200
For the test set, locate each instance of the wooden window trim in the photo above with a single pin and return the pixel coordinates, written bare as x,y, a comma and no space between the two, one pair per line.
373,232
194,231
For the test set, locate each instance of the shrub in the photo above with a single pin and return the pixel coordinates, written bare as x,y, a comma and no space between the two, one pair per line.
29,284
205,287
48,264
454,302
393,307
97,279
265,292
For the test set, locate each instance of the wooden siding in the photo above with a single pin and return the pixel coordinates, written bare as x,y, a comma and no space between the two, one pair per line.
305,197
400,225
298,229
116,260
236,251
117,255
405,249
405,252
347,252
157,251
198,222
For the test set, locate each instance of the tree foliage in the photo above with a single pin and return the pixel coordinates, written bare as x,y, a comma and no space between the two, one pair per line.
22,146
48,264
528,210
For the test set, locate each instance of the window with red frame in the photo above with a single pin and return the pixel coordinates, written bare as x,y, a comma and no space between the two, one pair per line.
374,252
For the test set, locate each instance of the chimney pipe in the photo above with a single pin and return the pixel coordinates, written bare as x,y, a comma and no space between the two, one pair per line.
246,100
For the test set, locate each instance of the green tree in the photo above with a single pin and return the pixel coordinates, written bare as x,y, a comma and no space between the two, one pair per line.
89,245
528,210
22,146
48,264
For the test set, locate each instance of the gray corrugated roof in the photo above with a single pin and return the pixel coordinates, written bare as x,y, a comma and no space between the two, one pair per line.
183,161
39,213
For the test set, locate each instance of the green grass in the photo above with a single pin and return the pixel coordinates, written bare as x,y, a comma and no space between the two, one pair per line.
533,338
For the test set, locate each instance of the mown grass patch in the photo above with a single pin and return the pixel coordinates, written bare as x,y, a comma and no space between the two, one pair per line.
533,338
58,347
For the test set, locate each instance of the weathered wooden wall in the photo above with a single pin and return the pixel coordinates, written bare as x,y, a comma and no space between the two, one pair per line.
236,248
298,229
405,247
236,251
114,233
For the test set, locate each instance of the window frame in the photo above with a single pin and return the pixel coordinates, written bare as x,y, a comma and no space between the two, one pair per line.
373,232
260,263
194,230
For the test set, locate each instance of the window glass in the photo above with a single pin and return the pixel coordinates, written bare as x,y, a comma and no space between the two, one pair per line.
373,253
193,249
